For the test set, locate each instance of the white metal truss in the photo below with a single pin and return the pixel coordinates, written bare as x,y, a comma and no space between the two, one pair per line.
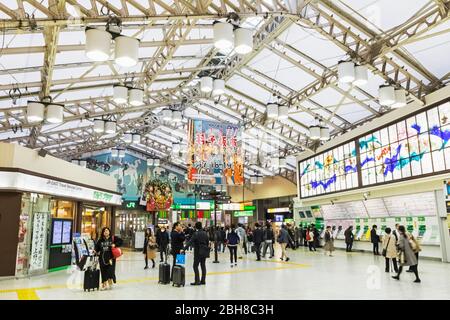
183,51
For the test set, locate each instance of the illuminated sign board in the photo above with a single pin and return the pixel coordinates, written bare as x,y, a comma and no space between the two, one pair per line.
278,210
243,213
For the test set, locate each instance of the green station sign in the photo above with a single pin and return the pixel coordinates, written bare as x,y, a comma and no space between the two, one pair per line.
248,208
421,219
178,206
245,213
130,205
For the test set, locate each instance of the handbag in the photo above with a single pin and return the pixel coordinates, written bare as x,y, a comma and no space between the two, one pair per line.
116,252
384,252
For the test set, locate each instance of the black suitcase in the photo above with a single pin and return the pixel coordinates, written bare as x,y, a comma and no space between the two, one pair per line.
164,273
91,279
178,276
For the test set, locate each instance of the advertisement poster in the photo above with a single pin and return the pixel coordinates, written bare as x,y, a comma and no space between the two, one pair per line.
215,155
39,241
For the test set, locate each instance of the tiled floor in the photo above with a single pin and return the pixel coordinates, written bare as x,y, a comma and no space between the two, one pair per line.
306,276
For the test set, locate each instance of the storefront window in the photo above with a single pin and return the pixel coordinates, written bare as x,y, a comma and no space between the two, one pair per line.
94,219
132,222
63,209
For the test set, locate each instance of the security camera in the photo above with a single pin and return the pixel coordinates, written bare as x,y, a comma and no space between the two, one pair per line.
366,195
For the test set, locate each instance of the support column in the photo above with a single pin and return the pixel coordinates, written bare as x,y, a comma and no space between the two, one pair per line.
443,225
9,230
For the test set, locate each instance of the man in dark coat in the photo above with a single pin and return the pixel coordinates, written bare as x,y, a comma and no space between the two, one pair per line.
162,239
258,239
177,238
348,233
374,238
200,242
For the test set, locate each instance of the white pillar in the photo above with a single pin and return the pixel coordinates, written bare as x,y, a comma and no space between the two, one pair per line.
443,224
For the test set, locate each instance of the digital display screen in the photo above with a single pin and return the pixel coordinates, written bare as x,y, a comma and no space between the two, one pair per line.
302,214
57,232
308,214
278,218
61,231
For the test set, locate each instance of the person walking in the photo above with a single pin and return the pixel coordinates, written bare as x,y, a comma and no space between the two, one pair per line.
375,239
233,240
149,248
222,238
258,239
268,241
199,241
310,239
316,236
162,240
291,232
389,250
416,248
242,240
329,241
107,262
348,233
304,233
406,254
284,239
177,241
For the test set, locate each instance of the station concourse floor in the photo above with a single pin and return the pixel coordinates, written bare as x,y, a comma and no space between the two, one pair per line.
307,276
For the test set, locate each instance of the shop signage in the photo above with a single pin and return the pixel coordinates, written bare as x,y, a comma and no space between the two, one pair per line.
163,221
130,205
39,240
421,219
26,182
249,207
183,206
205,205
247,213
278,210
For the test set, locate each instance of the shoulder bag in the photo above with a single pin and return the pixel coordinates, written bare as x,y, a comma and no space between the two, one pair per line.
384,252
116,252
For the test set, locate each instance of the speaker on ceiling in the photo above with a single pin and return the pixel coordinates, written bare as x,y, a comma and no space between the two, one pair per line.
42,152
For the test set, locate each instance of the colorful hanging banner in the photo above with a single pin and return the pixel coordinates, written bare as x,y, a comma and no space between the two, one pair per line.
215,154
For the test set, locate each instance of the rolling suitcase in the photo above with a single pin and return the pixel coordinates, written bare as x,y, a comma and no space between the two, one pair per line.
91,279
164,273
178,276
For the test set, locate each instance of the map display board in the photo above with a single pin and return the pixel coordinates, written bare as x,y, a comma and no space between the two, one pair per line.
412,147
331,171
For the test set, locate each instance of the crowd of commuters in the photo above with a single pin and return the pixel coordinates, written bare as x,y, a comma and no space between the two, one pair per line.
398,247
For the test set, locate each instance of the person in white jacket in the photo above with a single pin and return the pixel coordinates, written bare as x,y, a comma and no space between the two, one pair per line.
242,240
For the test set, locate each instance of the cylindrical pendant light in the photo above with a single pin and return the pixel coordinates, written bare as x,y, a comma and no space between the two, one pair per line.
400,99
136,138
283,162
346,71
275,162
122,153
75,161
114,153
177,116
156,162
253,179
110,127
120,94
150,162
223,35
260,180
219,87
55,113
283,112
243,40
361,76
99,125
314,132
136,96
324,133
126,51
386,95
127,137
98,44
176,147
83,163
167,115
35,111
272,110
206,84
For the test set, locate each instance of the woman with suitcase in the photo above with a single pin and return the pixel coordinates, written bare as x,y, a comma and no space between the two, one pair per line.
104,249
149,248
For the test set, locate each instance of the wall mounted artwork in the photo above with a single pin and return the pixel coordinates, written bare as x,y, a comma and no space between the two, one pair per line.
415,146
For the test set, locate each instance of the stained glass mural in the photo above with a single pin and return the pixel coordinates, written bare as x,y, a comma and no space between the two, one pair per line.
331,171
412,147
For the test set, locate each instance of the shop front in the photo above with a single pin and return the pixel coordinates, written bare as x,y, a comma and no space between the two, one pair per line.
40,213
131,222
